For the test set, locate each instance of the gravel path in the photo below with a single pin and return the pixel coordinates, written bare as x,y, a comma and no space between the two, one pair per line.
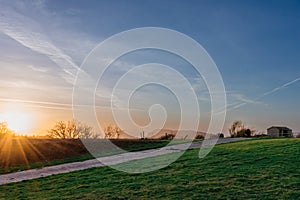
109,160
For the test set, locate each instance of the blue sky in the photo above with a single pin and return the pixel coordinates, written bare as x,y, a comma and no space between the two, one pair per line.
255,45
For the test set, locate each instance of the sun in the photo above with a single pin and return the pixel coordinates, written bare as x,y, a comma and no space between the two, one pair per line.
17,121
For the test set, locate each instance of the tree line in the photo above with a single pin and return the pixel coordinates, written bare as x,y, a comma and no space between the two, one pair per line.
75,130
69,130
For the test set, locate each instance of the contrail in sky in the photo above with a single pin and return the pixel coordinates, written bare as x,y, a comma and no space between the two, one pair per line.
16,26
238,105
42,104
280,87
34,102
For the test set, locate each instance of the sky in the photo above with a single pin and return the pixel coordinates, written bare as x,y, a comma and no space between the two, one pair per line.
254,44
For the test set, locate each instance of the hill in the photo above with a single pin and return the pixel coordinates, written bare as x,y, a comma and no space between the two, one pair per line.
255,169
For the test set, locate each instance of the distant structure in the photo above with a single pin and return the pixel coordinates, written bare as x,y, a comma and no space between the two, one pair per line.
276,131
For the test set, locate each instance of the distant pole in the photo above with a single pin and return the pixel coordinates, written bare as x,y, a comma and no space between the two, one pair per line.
142,135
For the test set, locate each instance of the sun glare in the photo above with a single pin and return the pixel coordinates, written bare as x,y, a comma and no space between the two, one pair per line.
17,121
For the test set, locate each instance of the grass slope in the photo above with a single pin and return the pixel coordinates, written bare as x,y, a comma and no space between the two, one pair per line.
22,154
257,169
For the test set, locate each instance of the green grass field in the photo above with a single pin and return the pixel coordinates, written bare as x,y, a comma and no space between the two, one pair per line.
256,169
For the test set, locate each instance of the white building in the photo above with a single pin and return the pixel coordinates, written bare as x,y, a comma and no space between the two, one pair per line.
276,131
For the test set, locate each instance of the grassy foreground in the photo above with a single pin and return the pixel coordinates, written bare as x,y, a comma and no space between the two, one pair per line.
257,169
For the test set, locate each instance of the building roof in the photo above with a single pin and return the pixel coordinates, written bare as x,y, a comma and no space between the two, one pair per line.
280,128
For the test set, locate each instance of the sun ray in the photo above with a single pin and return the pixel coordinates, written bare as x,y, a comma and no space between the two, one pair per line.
23,153
5,155
35,150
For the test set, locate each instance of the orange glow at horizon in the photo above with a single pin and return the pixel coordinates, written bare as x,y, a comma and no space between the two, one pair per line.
17,120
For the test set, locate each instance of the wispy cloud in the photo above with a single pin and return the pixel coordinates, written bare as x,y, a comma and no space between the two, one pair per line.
47,104
17,26
38,69
244,101
242,98
40,104
30,34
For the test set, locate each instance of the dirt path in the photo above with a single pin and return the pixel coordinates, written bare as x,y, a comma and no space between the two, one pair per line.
109,160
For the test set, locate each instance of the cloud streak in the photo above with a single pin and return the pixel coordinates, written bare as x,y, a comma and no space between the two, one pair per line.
280,87
29,33
17,26
235,106
47,104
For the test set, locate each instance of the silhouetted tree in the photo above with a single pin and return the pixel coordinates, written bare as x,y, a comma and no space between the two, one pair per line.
238,129
85,131
118,132
70,130
5,131
199,137
248,132
111,132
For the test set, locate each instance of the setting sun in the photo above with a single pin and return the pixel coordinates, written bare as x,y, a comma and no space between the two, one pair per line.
17,121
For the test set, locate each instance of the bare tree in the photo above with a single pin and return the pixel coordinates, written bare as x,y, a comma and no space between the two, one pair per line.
109,131
3,129
85,131
70,130
112,132
233,128
238,129
59,131
117,131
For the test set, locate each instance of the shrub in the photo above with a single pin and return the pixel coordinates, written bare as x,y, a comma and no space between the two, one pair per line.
167,136
199,137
